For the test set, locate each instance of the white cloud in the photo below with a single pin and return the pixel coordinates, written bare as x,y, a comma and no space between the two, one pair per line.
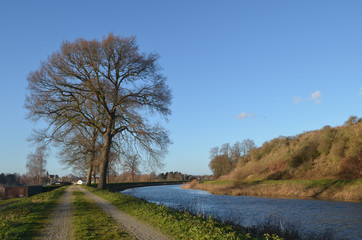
243,115
360,91
317,96
246,115
297,99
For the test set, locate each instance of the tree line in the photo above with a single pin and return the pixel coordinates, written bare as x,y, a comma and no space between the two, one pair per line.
100,100
225,158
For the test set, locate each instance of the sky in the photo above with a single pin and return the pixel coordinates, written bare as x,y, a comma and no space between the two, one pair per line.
237,69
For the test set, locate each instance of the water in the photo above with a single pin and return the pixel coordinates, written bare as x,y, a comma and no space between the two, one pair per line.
343,218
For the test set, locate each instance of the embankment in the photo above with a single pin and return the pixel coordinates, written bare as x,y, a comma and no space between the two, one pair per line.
339,190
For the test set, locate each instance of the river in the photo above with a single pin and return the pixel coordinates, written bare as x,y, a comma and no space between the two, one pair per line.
343,218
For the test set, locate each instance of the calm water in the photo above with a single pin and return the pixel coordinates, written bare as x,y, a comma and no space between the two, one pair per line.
344,218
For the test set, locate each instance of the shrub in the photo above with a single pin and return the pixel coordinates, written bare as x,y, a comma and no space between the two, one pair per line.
307,153
351,167
277,166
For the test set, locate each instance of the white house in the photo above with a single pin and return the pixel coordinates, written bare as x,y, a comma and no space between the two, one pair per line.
81,182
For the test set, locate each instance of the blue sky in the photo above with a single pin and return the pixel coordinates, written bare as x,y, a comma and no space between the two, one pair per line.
237,69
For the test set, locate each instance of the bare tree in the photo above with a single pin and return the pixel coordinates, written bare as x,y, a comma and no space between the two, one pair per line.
236,151
81,150
225,149
131,165
109,77
214,152
247,145
36,164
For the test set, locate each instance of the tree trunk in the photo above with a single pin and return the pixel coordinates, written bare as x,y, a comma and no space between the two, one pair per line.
103,166
89,174
92,158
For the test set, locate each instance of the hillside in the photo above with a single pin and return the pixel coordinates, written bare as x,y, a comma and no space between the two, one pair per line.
326,153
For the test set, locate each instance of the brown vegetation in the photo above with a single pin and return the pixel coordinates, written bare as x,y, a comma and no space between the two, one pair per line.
346,190
327,153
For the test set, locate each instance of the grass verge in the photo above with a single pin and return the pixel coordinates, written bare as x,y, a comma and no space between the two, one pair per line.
90,222
8,201
177,224
24,218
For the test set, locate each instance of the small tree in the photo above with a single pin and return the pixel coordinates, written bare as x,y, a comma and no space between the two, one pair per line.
36,164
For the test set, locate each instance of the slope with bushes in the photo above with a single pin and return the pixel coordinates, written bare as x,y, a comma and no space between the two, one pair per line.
326,153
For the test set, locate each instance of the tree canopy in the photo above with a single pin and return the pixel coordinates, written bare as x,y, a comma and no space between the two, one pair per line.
107,85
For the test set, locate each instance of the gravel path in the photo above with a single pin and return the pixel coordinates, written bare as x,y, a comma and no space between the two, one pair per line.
133,226
60,221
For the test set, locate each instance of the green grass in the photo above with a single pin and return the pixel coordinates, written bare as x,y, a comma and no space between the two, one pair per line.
179,225
24,218
90,222
8,201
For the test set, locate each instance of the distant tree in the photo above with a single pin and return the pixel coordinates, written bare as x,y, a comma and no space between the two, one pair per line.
9,179
236,153
111,77
178,176
81,149
220,165
36,164
247,145
225,149
152,176
351,120
170,176
131,165
2,178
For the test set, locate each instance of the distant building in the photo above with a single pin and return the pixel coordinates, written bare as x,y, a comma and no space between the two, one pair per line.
81,181
52,179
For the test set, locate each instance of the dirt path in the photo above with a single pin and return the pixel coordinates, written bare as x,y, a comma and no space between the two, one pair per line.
60,220
136,228
60,227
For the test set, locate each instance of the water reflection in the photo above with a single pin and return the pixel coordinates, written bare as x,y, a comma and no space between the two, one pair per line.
342,217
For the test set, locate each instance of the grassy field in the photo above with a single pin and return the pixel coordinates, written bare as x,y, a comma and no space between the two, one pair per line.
24,218
345,190
90,222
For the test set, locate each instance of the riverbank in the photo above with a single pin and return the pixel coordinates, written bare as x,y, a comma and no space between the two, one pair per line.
29,217
338,190
118,187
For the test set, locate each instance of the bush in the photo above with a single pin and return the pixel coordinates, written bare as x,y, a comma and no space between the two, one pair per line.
351,167
277,166
279,175
307,153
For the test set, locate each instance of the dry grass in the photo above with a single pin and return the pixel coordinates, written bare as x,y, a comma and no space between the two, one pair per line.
318,189
326,153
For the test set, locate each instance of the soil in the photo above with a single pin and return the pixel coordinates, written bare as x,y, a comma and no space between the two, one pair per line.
60,225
